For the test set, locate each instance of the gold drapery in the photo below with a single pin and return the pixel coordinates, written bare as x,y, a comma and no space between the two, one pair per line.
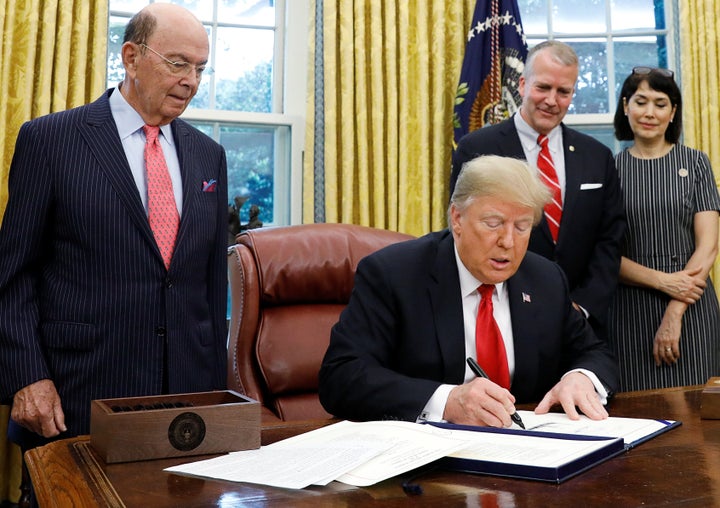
390,75
52,58
699,47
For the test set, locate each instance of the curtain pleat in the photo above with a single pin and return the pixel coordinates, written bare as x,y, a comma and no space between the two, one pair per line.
390,71
699,47
53,55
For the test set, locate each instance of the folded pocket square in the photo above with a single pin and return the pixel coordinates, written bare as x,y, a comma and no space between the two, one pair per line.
590,186
209,186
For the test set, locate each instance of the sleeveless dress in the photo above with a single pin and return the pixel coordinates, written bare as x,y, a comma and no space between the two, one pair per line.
661,197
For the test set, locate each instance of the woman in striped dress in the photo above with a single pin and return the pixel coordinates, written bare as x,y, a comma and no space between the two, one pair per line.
664,320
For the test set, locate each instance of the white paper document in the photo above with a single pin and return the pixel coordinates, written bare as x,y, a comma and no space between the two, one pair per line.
365,453
630,429
355,453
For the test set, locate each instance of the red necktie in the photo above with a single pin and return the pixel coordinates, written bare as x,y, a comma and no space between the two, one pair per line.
162,211
489,343
553,210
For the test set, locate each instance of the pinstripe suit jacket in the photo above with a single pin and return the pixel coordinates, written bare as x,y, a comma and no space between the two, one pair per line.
85,299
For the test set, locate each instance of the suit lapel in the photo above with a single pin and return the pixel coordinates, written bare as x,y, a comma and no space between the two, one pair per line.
446,303
185,149
524,312
101,136
573,176
509,144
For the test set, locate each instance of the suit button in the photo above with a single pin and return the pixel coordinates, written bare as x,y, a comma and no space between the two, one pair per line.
160,330
168,283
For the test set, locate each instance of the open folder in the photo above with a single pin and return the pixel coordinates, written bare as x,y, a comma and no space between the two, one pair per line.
553,448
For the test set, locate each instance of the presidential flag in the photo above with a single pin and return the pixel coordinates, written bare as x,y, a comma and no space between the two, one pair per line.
495,54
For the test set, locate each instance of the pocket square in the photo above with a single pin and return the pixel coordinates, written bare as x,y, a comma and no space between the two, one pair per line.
590,186
209,186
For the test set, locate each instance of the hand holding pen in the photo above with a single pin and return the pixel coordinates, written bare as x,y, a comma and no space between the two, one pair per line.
477,370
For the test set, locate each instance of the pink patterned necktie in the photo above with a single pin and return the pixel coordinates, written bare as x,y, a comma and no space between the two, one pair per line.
553,210
489,344
162,211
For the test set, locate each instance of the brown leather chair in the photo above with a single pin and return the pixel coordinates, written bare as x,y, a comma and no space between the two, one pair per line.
288,286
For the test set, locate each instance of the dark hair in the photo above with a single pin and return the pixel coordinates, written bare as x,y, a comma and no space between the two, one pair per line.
660,83
140,27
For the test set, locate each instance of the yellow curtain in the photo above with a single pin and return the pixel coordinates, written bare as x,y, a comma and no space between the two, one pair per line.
52,57
700,48
390,75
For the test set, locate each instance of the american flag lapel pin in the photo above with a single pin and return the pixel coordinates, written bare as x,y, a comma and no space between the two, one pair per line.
526,298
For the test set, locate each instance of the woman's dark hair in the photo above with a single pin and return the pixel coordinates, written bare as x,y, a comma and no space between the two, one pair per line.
660,81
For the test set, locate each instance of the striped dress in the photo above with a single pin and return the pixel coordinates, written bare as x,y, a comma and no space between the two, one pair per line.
661,197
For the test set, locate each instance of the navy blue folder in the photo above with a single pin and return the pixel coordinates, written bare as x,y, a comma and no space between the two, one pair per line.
612,447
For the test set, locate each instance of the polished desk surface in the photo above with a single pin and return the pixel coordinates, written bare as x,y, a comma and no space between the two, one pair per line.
678,468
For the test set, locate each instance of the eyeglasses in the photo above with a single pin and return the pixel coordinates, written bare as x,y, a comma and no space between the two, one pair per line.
642,71
179,68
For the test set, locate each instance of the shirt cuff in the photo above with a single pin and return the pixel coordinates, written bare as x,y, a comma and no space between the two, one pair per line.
435,406
599,387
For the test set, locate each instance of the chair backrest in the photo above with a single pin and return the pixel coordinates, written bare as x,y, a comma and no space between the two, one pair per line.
288,286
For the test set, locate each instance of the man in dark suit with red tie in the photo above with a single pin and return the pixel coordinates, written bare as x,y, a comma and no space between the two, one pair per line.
113,279
399,349
584,235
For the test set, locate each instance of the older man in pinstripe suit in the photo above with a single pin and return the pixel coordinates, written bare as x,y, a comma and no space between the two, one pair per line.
88,308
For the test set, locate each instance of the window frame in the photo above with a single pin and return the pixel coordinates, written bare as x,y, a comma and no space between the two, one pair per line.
289,103
579,120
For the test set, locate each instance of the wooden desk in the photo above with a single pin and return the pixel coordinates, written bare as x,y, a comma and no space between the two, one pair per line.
681,467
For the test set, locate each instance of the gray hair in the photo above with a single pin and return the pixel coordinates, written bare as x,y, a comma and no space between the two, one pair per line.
503,177
560,52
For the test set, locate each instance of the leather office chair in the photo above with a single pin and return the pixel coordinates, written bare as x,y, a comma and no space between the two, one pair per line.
288,286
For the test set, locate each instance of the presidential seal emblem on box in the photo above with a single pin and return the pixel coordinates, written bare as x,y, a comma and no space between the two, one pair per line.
162,426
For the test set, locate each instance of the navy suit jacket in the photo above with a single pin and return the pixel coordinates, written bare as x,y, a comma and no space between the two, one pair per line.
593,222
401,335
85,299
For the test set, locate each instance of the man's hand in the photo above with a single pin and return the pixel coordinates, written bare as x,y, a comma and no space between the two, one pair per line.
574,390
37,408
480,402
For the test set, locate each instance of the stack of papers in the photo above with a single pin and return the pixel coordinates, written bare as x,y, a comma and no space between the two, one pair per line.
553,448
359,454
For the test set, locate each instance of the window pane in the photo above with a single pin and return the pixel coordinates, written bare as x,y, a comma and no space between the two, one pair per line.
633,51
534,16
579,16
256,160
115,69
247,12
243,70
129,6
628,14
591,91
603,133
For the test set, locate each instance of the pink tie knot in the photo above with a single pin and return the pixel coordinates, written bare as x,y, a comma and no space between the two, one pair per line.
151,132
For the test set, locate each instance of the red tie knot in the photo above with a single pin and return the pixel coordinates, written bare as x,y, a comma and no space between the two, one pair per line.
542,139
486,290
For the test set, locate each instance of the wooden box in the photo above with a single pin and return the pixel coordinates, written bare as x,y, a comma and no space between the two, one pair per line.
710,400
161,426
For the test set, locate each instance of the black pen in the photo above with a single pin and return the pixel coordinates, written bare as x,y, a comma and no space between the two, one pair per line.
481,373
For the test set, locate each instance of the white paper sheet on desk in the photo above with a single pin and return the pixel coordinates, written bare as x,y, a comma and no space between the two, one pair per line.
630,429
355,453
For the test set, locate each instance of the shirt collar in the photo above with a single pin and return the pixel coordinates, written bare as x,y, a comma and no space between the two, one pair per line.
128,120
528,135
468,283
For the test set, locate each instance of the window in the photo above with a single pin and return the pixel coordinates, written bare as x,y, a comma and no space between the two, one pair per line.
244,101
610,37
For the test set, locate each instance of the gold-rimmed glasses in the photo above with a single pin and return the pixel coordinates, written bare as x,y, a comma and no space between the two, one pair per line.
180,67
